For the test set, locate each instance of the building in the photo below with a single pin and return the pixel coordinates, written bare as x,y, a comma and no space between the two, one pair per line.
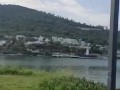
47,40
2,42
41,39
20,37
68,41
34,43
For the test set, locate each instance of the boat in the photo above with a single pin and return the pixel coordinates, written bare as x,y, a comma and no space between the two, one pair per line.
74,56
88,56
103,57
60,55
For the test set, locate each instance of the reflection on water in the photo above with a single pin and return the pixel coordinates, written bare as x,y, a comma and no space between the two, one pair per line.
91,69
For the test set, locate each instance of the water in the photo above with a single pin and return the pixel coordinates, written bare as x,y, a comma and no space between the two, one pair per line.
91,69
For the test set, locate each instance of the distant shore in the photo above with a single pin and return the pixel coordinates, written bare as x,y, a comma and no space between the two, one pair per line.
77,57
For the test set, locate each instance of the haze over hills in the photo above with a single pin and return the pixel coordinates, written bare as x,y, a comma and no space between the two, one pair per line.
21,20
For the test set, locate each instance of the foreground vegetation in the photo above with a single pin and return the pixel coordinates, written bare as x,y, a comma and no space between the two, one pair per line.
14,78
26,79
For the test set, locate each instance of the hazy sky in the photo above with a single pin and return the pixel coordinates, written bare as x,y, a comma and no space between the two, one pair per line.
89,11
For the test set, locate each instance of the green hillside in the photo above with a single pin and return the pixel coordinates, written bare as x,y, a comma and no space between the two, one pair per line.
20,20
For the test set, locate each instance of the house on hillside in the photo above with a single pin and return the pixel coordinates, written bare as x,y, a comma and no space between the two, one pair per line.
2,42
41,39
20,37
34,43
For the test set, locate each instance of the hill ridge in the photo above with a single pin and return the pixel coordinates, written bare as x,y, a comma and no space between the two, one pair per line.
16,20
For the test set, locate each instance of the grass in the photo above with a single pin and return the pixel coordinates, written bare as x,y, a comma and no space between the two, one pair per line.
14,78
70,83
8,70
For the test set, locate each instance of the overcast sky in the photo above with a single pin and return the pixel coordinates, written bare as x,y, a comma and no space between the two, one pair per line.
93,12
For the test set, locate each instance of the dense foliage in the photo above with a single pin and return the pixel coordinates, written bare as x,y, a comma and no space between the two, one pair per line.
8,70
70,83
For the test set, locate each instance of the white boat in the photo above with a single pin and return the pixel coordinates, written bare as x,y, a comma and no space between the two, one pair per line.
103,57
60,55
74,56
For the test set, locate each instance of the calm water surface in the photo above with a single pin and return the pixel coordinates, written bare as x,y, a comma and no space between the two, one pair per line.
92,69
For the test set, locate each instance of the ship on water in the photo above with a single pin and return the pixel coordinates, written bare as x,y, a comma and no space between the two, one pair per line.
87,55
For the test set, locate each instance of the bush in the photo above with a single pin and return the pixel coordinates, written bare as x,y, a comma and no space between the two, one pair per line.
70,83
15,71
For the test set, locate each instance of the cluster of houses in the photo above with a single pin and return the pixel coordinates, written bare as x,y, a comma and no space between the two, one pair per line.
77,43
68,41
42,40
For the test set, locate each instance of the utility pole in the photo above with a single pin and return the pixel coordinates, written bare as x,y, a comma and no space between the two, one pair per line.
113,36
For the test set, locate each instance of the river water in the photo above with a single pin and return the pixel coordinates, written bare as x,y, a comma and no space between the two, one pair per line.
91,69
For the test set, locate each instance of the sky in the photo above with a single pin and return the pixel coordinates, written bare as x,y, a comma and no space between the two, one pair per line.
95,12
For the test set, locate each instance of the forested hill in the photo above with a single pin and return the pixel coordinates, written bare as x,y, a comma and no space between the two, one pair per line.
20,20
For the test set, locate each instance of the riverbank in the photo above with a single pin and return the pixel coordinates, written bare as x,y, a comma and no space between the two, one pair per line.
14,78
60,56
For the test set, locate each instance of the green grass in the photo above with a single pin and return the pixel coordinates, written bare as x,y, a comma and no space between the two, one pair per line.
13,78
8,70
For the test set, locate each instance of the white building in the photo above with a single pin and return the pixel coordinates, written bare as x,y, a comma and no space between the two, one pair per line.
65,41
20,36
36,38
34,43
47,40
2,42
60,39
55,39
41,39
70,41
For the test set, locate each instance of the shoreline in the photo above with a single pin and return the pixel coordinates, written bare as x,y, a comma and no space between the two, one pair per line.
76,57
